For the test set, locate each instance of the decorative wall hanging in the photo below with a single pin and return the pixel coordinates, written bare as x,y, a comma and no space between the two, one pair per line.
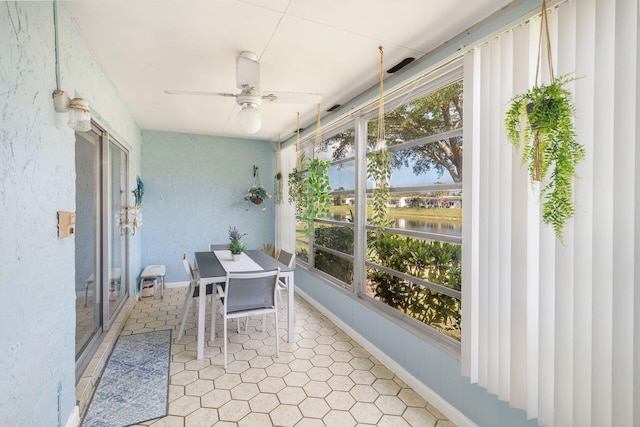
139,191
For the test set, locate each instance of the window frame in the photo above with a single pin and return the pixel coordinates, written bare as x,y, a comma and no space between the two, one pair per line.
446,75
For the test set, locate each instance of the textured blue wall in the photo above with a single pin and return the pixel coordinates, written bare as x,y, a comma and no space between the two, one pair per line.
194,187
37,179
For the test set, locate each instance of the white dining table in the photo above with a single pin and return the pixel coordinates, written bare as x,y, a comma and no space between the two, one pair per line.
212,271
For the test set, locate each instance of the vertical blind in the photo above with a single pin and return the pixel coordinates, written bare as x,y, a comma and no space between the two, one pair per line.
554,327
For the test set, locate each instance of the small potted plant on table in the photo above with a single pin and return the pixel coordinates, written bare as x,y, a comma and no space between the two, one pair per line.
235,245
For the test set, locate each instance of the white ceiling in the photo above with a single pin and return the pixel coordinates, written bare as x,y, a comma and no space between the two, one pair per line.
329,47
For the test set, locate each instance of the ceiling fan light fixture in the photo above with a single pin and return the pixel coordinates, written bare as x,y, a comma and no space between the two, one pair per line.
249,119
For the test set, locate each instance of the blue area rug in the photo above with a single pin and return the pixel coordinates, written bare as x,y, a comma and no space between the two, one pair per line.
134,386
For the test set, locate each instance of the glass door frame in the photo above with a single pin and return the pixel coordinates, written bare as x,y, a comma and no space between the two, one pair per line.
105,220
107,229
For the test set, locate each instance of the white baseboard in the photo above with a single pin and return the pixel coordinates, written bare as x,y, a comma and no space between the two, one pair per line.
176,285
448,410
74,418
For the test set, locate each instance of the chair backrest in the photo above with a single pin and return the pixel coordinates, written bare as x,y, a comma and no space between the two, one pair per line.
286,258
250,291
218,247
187,267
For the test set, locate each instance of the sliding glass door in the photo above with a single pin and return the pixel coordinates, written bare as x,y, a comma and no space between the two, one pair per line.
116,243
101,251
87,233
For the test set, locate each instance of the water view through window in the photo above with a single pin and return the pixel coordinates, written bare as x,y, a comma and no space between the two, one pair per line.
413,260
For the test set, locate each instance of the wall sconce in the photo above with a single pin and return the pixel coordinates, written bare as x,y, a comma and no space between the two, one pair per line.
128,219
78,109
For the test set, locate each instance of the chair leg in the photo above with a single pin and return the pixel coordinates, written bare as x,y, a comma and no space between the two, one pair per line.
280,297
213,317
185,312
224,329
277,337
264,321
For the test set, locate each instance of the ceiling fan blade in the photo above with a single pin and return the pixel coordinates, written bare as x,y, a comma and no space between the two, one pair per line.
248,71
199,93
292,97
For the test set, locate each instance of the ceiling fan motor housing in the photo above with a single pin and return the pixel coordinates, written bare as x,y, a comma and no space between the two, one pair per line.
248,99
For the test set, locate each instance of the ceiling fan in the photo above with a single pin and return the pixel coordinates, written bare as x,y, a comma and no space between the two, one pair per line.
250,97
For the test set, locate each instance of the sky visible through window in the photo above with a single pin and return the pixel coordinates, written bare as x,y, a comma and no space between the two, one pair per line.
403,177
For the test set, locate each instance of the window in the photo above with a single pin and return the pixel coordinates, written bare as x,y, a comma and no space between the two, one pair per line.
412,267
415,265
333,237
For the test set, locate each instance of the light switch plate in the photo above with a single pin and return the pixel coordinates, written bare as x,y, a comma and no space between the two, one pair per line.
66,224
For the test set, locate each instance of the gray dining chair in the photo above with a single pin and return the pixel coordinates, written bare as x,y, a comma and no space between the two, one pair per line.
287,259
249,294
194,292
213,247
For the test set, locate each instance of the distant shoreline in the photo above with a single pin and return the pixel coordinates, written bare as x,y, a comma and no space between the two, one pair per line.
451,215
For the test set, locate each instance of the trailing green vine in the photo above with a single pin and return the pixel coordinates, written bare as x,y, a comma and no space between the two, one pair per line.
315,193
541,120
296,183
379,170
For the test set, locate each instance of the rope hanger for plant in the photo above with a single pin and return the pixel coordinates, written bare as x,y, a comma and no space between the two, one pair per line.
298,132
379,165
381,135
278,166
318,141
544,24
278,177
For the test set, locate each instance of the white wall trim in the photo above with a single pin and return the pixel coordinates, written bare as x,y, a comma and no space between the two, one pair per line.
448,410
168,285
74,418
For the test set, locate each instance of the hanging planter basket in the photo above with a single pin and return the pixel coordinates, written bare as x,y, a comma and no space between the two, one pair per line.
256,194
541,122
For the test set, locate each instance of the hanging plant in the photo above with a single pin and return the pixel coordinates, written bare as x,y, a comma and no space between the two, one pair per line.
379,167
295,178
256,194
296,183
315,195
379,170
541,120
277,179
277,187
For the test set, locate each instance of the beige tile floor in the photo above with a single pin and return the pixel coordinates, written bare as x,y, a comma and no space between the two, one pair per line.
325,378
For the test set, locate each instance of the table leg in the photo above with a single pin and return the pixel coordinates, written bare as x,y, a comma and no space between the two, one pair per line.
162,287
202,305
292,311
